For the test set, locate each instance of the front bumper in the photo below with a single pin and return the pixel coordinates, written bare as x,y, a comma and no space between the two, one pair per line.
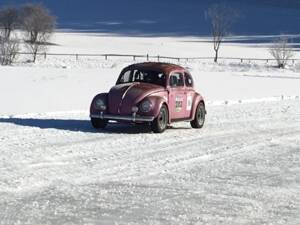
132,118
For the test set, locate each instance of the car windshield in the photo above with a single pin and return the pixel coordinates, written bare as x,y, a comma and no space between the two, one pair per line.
144,76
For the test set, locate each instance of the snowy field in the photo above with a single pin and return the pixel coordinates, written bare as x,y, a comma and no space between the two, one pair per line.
243,167
62,83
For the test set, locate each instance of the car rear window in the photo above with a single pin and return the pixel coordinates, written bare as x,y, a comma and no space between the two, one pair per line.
188,80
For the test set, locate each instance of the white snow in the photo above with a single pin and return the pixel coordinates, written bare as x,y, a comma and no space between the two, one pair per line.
60,83
243,167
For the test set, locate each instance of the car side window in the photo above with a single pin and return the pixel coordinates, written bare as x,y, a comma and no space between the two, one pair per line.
126,77
176,80
188,80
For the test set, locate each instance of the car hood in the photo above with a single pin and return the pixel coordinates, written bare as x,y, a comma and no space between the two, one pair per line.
122,97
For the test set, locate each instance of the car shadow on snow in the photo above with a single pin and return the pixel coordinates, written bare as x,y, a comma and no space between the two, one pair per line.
76,125
59,124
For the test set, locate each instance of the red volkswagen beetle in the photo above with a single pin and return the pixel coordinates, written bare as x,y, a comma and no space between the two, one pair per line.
154,93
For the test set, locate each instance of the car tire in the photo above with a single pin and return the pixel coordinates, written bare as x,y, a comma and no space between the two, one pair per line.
199,119
98,123
160,123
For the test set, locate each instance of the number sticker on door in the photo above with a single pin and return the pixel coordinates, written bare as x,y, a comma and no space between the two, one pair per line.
178,104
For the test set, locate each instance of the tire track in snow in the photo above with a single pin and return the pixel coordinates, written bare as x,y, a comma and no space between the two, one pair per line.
161,153
155,157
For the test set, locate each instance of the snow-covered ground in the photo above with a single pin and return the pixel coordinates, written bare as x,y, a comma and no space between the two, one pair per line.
242,168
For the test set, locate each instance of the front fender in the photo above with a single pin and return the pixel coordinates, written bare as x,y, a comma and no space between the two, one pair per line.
157,102
104,96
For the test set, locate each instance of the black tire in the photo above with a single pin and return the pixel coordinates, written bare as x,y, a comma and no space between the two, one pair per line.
160,123
199,119
98,123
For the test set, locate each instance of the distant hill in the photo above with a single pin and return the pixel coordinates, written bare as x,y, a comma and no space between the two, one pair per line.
171,17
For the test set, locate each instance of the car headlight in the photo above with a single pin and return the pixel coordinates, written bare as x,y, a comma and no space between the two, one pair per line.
100,104
146,106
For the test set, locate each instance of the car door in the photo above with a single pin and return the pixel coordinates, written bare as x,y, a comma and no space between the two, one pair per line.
177,96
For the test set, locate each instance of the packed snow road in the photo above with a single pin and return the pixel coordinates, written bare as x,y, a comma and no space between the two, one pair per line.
242,168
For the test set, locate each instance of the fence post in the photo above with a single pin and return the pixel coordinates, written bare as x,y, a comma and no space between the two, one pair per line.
158,58
267,60
178,59
105,57
147,57
45,55
76,57
134,58
241,60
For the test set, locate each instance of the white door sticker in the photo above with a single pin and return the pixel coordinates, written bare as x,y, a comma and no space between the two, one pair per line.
189,103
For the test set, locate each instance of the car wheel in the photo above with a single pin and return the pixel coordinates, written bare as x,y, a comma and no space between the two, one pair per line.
199,119
98,123
160,123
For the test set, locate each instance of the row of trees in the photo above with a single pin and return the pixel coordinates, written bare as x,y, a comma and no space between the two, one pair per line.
222,17
33,22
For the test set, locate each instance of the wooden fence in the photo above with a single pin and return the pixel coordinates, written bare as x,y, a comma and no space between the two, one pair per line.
155,57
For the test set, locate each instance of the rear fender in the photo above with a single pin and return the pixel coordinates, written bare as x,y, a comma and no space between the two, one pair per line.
198,98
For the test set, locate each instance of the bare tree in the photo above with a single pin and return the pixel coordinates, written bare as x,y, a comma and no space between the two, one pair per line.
38,46
282,51
221,18
39,26
9,48
9,18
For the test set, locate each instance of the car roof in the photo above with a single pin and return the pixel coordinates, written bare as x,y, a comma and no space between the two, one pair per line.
156,66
